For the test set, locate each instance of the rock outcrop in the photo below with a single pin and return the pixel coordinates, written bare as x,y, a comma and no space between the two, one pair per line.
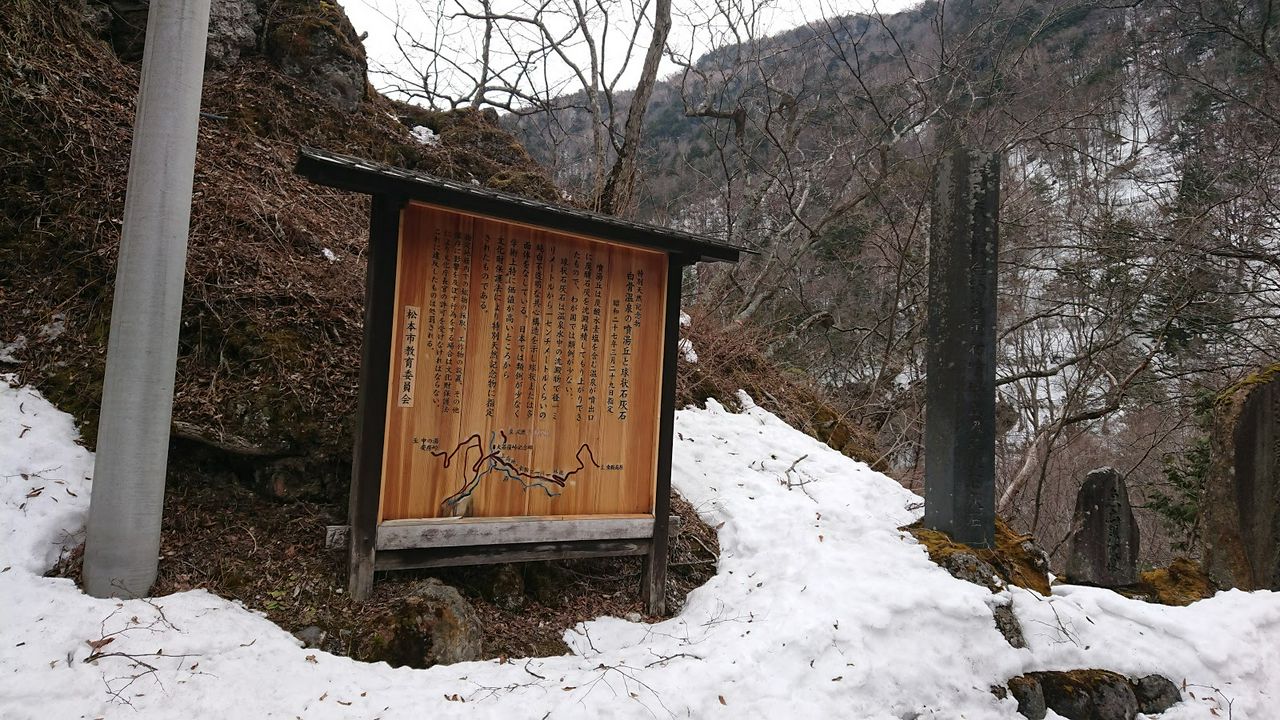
310,40
1240,507
234,27
316,44
1090,694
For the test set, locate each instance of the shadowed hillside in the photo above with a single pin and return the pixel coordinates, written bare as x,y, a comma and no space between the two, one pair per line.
270,341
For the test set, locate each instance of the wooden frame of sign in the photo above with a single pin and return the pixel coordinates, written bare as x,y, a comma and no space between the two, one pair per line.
517,379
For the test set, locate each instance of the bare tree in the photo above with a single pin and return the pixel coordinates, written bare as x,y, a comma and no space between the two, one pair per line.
549,58
1140,218
1124,285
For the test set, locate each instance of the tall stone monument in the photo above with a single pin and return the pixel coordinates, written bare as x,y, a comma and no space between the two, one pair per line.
1241,500
959,437
1104,546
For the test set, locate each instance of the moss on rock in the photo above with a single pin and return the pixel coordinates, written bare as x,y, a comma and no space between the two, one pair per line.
1181,583
1015,558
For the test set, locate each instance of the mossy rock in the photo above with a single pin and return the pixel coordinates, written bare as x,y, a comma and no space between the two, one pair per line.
1015,558
1088,694
313,41
1030,697
1182,582
292,24
432,624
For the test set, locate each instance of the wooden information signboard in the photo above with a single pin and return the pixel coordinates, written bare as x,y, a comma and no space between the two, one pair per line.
517,379
525,364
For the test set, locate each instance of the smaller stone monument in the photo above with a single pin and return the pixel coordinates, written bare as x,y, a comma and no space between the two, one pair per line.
1104,544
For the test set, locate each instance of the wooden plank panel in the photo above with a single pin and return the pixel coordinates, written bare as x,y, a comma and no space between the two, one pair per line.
448,557
537,361
406,534
336,536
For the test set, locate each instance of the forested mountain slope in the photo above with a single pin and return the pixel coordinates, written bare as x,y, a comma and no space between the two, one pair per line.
1139,261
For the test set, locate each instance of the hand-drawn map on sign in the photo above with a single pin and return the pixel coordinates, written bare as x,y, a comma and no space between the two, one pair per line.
525,369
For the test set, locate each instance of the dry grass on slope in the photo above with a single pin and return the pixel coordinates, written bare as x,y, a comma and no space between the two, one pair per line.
269,345
732,358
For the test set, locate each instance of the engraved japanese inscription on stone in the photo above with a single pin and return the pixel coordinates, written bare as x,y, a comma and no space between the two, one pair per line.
537,363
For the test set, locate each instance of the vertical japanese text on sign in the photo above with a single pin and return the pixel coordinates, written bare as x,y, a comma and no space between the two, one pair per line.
540,348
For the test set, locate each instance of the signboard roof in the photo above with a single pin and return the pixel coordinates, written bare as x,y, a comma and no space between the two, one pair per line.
350,173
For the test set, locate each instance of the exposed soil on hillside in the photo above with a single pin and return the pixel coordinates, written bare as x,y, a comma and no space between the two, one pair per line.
734,357
272,311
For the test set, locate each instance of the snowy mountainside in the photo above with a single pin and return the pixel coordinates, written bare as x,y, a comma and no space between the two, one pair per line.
821,607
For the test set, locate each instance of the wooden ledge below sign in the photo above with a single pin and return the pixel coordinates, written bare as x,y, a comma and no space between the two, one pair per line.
450,532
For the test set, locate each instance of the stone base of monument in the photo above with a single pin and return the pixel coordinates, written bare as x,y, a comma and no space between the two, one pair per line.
1015,560
1182,582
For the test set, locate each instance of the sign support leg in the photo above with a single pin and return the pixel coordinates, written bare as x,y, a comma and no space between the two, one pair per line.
371,412
654,583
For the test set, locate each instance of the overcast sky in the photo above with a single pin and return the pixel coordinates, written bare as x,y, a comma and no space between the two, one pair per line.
374,17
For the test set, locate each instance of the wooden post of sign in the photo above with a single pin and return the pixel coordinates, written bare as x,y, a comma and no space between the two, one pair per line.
654,584
371,411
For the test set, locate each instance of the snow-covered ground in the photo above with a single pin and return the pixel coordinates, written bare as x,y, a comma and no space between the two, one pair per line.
821,608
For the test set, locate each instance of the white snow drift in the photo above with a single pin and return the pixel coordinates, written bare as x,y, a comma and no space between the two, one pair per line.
821,608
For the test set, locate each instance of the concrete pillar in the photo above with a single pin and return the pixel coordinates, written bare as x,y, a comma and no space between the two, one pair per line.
137,398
